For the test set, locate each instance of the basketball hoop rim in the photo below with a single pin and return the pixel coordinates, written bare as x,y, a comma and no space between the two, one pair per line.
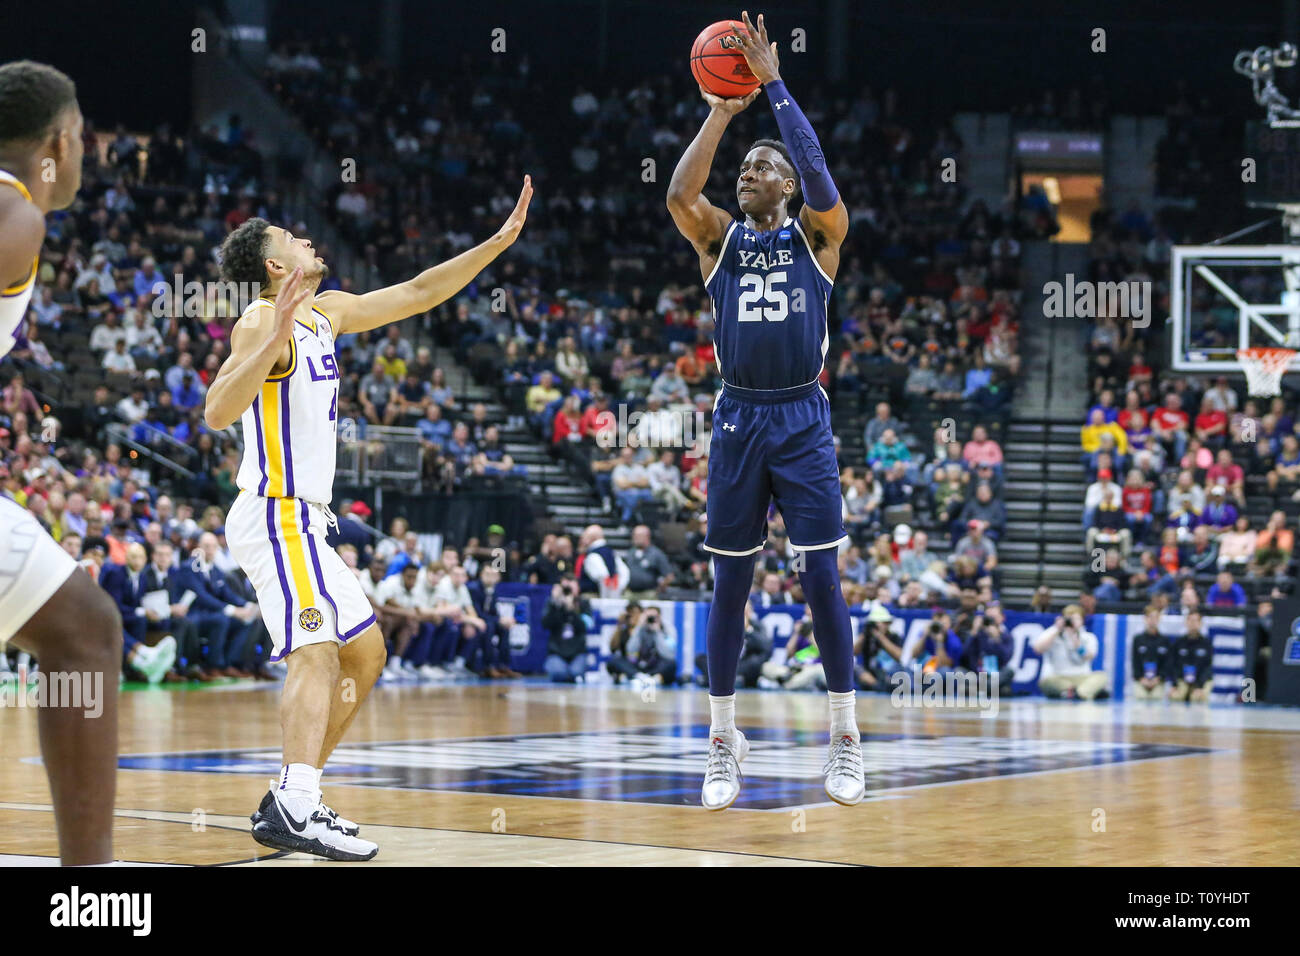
1264,367
1267,356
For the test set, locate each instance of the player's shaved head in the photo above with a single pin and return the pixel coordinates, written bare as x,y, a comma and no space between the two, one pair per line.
786,165
32,98
767,183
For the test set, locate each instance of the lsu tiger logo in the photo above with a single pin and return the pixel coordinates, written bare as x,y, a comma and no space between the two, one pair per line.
310,619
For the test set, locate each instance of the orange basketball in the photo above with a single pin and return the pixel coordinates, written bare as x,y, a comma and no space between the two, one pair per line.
717,63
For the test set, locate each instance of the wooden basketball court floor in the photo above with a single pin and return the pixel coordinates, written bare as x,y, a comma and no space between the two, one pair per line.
540,775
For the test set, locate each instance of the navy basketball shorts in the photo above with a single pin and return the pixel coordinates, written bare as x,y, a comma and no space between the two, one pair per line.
770,447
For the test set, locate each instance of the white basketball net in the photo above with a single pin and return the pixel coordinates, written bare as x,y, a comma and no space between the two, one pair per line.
1264,369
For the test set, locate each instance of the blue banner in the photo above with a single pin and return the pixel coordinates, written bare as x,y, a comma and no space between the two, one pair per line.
689,620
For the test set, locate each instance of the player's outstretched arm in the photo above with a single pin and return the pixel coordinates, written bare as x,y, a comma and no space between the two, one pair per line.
256,345
357,313
823,210
698,219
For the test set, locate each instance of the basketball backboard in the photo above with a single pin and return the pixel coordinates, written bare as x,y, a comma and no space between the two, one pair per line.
1225,298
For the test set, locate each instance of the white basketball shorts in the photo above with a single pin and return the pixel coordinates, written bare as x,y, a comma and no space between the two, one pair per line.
32,567
306,593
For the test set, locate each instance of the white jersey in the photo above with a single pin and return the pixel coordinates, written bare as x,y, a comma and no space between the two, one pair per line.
13,300
32,568
289,430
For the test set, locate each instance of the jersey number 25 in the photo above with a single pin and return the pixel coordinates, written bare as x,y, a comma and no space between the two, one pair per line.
761,299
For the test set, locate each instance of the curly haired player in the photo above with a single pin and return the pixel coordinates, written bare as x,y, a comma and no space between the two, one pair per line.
282,381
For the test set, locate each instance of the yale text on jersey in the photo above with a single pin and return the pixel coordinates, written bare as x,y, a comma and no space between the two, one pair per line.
759,260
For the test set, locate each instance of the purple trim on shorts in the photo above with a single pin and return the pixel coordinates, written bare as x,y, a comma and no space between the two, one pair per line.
358,629
261,450
288,440
315,563
284,581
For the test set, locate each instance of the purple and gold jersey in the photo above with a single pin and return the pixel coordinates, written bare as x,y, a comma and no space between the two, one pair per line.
14,300
289,430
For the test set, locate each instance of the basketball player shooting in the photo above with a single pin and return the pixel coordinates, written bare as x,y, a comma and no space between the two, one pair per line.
769,276
282,380
49,606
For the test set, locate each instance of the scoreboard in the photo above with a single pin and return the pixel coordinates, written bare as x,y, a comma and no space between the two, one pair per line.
1276,152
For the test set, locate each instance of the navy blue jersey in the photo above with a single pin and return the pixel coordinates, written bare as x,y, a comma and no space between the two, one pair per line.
769,307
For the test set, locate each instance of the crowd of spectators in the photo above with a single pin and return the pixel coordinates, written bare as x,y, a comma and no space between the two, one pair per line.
1192,484
598,339
594,321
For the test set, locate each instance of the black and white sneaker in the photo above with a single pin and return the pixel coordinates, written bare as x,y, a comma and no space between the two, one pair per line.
319,834
350,828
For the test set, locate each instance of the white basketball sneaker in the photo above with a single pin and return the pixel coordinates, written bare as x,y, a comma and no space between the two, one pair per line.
321,833
154,662
350,828
846,782
722,775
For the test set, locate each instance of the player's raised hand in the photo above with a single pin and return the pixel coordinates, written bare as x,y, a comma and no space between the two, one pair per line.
510,231
291,295
760,53
733,105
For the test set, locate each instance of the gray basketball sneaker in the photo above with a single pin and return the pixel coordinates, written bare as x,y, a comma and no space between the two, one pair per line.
722,775
846,781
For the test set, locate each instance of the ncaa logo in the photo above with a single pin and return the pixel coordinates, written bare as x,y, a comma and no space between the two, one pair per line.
310,619
1291,653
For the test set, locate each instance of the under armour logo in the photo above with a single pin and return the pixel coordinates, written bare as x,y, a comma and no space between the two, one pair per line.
748,236
782,103
730,428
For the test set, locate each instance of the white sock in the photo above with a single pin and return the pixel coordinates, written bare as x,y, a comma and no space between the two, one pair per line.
722,721
298,790
844,715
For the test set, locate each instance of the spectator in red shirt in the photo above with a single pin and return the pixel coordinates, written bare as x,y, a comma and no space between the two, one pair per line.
704,348
240,214
1169,555
1137,504
1211,424
598,419
208,373
1138,371
982,450
1229,474
979,326
1132,408
1170,425
568,423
